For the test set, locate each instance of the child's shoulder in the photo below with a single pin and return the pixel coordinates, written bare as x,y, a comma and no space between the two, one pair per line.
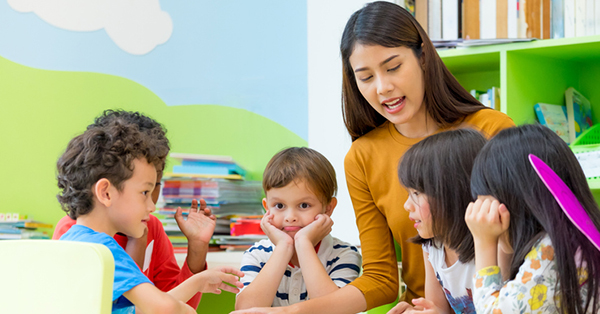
339,245
264,246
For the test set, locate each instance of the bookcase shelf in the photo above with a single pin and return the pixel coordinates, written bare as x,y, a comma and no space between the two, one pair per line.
531,72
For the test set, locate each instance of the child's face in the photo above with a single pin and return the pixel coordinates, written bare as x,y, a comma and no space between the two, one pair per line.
130,208
294,206
417,206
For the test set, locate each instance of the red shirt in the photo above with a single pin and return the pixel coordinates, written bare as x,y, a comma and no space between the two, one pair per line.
160,265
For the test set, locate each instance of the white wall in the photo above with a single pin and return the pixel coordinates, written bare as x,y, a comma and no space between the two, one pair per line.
326,131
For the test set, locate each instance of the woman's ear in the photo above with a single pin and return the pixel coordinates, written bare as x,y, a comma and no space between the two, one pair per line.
102,192
330,207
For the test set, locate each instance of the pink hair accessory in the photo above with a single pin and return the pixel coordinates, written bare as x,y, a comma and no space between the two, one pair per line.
567,200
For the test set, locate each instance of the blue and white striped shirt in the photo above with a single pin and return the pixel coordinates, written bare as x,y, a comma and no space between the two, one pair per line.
341,260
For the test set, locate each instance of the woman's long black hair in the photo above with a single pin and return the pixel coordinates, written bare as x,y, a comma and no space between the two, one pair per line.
502,170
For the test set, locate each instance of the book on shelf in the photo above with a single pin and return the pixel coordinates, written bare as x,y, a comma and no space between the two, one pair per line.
555,118
489,98
26,224
579,113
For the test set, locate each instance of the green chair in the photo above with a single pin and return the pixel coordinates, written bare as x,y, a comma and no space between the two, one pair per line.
45,276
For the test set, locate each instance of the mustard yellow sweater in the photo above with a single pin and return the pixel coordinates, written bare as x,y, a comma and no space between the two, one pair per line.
378,200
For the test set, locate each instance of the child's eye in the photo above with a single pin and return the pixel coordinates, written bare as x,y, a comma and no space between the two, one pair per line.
304,205
394,68
145,192
278,206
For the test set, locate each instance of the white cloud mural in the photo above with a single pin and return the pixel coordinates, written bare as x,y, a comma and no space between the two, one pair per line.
136,26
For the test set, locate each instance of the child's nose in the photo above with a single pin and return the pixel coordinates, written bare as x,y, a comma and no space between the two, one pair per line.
290,216
151,206
408,205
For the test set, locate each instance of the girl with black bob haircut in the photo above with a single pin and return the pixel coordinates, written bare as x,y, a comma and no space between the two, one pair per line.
437,174
556,268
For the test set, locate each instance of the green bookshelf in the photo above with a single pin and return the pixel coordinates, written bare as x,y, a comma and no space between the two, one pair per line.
531,72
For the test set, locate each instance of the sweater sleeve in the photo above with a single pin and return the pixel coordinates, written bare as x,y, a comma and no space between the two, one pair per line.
379,281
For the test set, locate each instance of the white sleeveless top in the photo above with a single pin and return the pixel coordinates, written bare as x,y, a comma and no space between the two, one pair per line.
457,280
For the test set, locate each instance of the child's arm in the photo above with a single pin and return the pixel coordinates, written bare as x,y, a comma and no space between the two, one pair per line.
434,292
435,299
318,283
211,281
261,291
150,300
198,228
487,220
531,291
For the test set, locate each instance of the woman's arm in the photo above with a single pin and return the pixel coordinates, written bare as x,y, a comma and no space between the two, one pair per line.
379,280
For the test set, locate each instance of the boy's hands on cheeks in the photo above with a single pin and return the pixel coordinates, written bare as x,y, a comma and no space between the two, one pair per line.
200,223
315,231
276,235
487,219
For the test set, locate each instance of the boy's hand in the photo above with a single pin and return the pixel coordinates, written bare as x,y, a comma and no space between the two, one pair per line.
316,230
276,235
214,280
200,223
487,219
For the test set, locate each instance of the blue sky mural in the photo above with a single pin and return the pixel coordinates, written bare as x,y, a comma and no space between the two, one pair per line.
243,54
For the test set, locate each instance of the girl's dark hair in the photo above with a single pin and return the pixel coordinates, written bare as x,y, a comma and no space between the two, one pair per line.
389,25
440,167
103,151
502,170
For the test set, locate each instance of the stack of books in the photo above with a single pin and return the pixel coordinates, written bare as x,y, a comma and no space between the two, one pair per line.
23,229
220,182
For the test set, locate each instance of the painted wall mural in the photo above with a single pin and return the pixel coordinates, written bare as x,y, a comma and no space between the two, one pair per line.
224,77
242,54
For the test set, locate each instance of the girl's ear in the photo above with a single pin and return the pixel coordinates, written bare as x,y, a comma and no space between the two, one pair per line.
102,192
329,208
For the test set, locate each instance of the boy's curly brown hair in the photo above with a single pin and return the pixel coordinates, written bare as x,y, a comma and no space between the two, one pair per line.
103,151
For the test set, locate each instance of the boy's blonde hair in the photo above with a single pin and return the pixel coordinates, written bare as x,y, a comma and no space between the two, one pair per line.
301,163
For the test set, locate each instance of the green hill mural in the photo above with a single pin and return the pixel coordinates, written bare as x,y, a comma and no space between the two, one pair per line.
41,110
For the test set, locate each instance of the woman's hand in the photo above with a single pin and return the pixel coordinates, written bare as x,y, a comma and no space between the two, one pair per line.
400,308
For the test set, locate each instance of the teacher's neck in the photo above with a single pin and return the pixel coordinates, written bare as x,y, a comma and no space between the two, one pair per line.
418,127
